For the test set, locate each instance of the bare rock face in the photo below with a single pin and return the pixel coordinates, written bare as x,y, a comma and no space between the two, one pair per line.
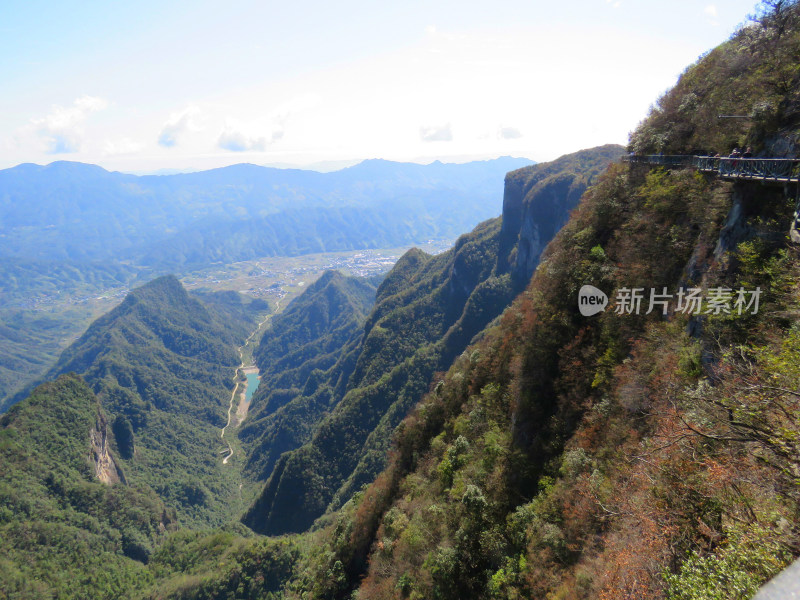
105,468
735,229
537,201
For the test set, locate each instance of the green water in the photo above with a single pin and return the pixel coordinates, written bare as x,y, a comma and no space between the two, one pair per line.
252,385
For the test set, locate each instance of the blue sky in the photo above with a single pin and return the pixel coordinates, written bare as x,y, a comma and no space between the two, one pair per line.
150,85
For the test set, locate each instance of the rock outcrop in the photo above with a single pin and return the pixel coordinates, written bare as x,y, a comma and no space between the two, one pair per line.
536,204
105,468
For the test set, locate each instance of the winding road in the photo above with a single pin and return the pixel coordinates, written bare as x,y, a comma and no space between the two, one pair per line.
242,414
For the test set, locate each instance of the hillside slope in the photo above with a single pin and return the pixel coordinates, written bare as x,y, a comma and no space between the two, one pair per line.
162,364
311,337
64,533
637,453
426,311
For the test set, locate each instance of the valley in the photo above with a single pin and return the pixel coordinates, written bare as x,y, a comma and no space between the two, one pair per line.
53,320
103,233
245,380
382,382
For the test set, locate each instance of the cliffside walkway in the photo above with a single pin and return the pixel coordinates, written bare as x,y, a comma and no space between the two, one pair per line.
767,170
777,170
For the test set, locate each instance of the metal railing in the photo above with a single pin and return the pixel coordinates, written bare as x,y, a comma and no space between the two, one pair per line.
664,160
775,169
766,169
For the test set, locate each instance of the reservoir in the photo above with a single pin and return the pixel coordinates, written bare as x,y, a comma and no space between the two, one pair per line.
252,384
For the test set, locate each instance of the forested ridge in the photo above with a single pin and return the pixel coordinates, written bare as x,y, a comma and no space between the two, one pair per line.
463,430
625,455
336,425
162,364
314,336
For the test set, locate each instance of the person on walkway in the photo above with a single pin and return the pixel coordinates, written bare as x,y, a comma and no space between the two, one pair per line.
747,153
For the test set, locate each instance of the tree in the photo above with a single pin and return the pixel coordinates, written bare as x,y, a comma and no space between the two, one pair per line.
123,433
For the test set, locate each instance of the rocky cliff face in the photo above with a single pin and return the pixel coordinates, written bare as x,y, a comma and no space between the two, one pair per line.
105,468
536,204
427,311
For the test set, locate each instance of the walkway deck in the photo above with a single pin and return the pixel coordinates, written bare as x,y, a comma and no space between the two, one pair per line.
777,170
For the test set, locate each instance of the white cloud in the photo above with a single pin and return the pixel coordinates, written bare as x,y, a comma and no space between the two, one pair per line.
509,133
442,133
236,141
614,3
62,129
178,124
121,147
254,136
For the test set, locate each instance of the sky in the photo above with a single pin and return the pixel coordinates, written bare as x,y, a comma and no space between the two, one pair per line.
150,85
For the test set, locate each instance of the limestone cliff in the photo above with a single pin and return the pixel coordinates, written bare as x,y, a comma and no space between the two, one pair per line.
536,204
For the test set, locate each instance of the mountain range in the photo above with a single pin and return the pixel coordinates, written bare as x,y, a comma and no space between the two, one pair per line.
340,367
459,428
79,213
427,310
74,231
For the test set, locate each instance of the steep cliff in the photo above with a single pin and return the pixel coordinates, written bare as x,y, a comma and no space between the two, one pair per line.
536,204
648,451
426,312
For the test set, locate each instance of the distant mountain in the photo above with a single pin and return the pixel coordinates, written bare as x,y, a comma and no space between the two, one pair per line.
70,230
32,335
77,212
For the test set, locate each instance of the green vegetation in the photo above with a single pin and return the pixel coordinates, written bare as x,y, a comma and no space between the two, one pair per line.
40,313
410,334
62,532
303,342
617,456
754,74
207,566
564,456
537,202
164,362
339,419
73,233
455,443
